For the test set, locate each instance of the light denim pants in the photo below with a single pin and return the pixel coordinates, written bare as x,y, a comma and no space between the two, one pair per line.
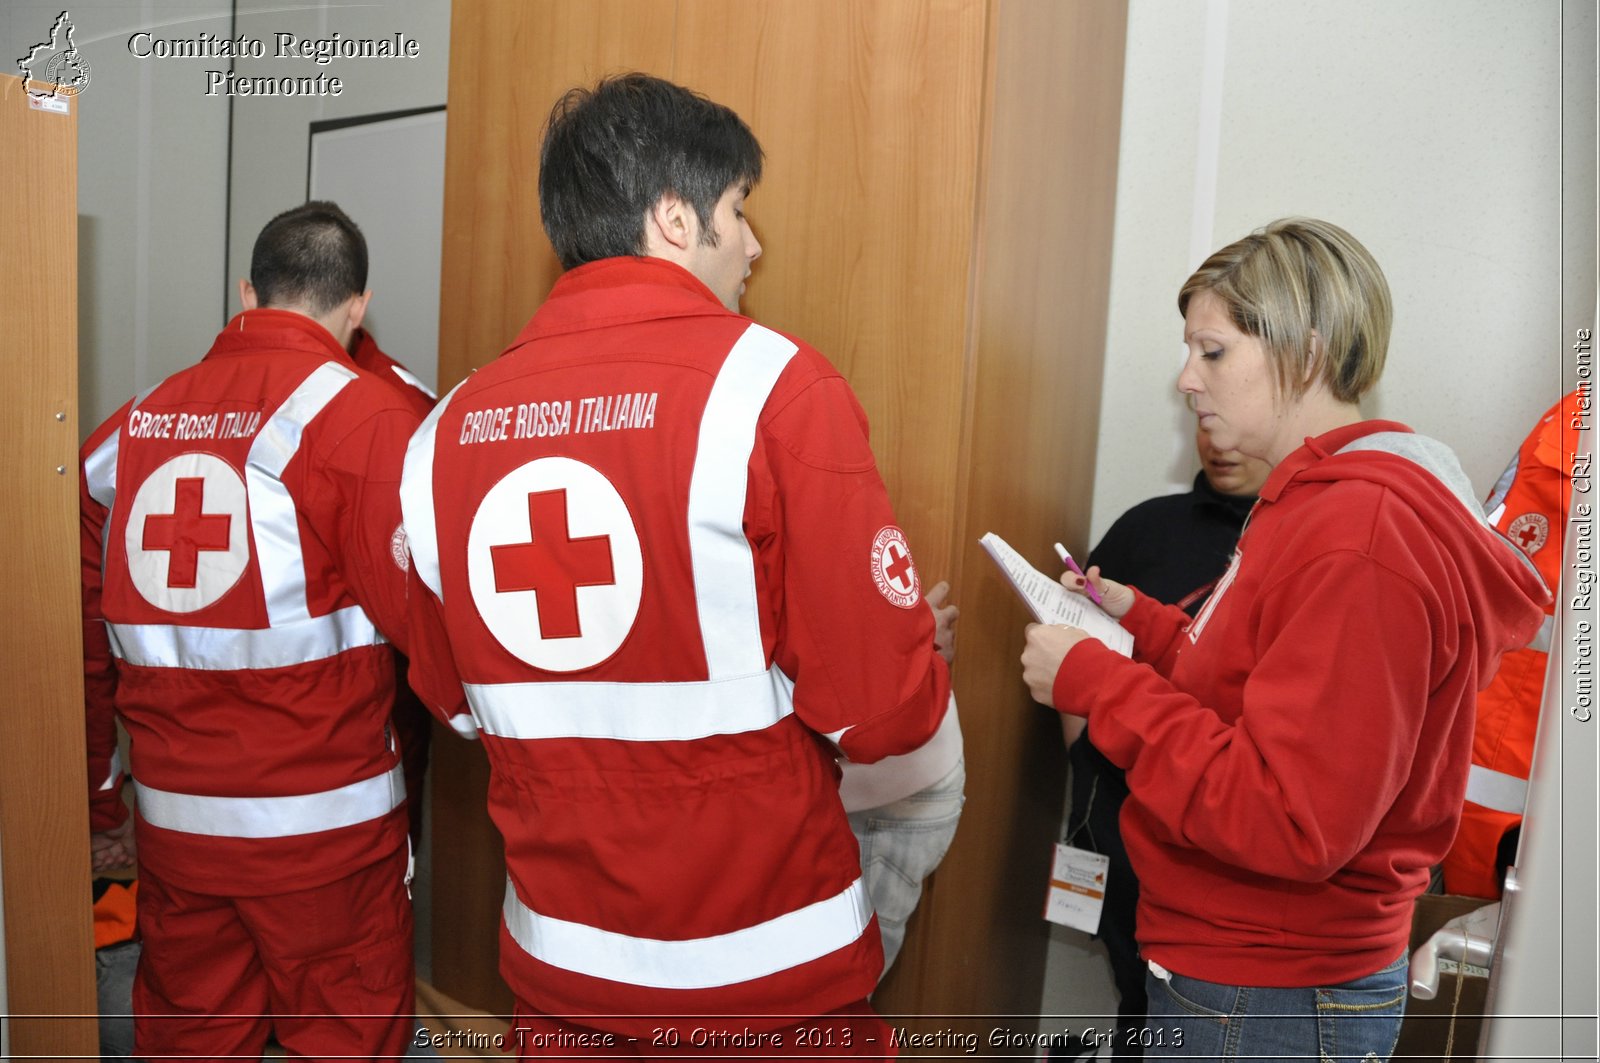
1353,1022
901,843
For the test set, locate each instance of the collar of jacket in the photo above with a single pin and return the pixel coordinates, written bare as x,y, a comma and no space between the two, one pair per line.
254,330
1316,448
615,291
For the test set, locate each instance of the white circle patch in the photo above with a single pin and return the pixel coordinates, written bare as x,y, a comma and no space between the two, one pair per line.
554,564
1529,532
892,570
188,536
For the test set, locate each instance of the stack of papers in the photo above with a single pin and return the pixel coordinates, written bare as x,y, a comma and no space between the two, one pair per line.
1050,602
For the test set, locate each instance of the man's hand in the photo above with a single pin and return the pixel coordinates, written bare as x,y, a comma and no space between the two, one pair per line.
1042,654
110,850
944,621
1116,598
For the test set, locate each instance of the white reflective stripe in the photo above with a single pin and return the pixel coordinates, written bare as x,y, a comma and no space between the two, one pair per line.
273,517
416,498
220,649
724,566
410,378
100,470
632,712
273,817
464,726
114,771
779,944
1541,639
1497,790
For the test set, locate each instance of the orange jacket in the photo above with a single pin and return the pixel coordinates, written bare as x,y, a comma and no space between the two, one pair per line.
1529,506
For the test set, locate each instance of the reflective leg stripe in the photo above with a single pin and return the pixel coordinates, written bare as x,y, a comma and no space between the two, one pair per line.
777,945
273,519
1497,790
416,498
113,771
632,712
214,649
724,566
273,817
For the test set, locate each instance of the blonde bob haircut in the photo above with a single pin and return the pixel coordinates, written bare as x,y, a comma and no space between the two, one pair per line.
1314,297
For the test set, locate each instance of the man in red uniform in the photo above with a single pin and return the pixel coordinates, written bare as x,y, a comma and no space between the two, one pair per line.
655,537
240,549
1529,505
411,719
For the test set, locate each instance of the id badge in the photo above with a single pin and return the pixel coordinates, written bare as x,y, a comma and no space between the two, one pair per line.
1077,888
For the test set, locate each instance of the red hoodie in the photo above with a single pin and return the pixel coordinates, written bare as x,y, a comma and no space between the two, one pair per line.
1297,753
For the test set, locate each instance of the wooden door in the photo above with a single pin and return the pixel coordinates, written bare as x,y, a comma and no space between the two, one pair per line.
44,822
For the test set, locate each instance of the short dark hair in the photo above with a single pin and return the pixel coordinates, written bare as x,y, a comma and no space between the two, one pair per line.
610,153
312,256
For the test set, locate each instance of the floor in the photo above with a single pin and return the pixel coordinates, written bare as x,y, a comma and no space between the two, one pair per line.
1078,996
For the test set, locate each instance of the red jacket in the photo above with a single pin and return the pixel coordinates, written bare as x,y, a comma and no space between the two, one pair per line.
366,353
667,567
240,538
1297,753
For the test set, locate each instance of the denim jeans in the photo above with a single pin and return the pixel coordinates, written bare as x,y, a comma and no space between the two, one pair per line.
1356,1021
901,844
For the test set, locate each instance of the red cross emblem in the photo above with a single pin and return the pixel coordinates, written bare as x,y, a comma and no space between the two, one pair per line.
1529,532
899,566
553,564
892,570
186,531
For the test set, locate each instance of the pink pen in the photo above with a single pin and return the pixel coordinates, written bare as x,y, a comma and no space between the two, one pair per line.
1066,559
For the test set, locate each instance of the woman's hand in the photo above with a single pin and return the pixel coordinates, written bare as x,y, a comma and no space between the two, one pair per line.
1046,647
1116,598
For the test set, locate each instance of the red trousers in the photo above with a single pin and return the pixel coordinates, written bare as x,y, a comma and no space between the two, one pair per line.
852,1031
327,969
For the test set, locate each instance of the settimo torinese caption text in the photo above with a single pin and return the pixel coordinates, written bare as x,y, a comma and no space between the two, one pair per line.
317,52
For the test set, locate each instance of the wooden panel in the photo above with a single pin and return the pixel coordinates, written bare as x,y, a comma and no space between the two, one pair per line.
1040,293
44,822
509,61
868,111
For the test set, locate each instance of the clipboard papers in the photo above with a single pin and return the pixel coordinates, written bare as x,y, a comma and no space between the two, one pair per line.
1050,602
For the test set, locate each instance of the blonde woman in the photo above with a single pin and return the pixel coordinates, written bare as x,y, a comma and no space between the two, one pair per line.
1297,753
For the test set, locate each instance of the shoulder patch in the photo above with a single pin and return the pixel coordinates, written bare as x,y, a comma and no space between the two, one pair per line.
892,569
1529,532
399,548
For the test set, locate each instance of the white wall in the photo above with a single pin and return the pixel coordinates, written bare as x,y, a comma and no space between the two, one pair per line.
1429,129
272,134
152,173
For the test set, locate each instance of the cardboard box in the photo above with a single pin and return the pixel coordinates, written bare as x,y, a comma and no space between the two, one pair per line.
1448,1026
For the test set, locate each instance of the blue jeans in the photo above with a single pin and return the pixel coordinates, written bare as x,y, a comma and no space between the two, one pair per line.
901,844
1356,1021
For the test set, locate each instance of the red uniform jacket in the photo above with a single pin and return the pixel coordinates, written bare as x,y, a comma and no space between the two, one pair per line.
240,538
657,539
366,353
1297,753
